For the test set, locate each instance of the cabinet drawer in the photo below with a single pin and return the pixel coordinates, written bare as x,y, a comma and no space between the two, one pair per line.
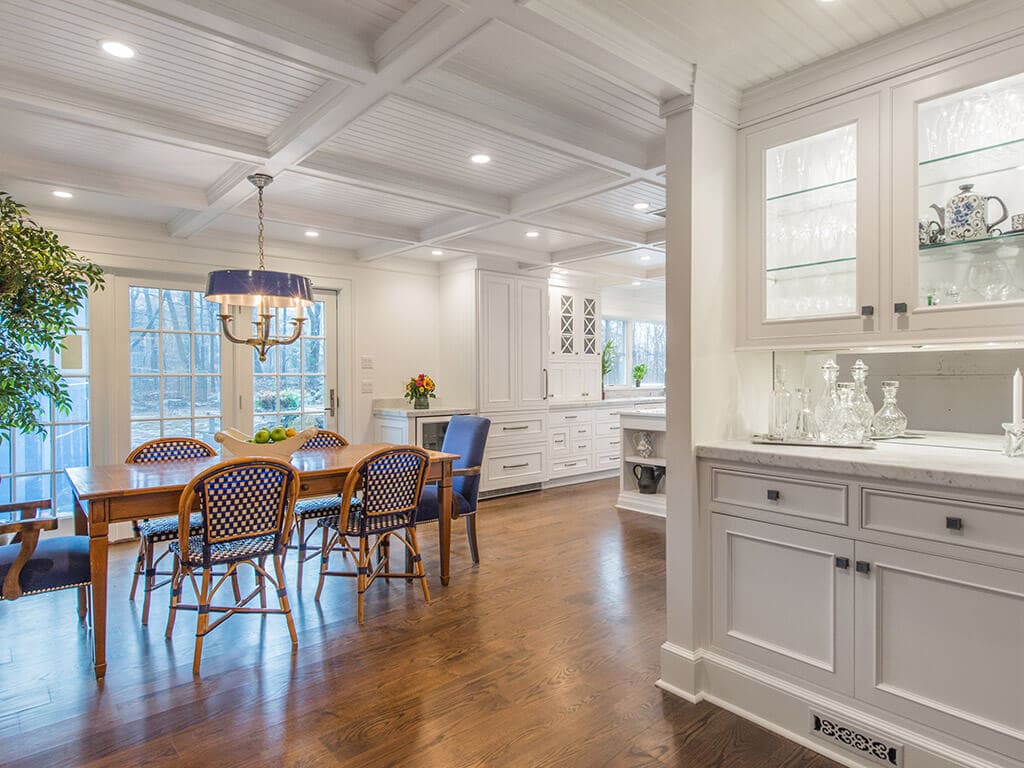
607,461
559,441
573,466
516,430
582,445
576,431
512,468
605,415
608,443
569,418
811,499
952,521
607,427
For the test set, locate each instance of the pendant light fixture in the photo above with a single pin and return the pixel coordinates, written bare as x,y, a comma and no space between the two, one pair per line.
262,289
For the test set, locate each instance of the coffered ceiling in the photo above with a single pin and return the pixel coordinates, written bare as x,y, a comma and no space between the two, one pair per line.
368,112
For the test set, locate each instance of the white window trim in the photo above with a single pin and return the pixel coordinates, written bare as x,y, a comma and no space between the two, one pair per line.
628,337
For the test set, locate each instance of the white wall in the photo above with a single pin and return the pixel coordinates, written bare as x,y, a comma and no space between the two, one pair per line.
646,302
389,312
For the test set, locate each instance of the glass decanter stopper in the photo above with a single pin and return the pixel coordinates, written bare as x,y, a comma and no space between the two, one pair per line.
829,399
804,426
845,426
861,402
780,412
890,421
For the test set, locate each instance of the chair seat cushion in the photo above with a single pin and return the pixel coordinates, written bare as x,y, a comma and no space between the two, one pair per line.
166,528
57,563
320,506
225,552
374,523
427,510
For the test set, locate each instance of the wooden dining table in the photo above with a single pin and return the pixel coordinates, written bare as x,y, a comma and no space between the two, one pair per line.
124,492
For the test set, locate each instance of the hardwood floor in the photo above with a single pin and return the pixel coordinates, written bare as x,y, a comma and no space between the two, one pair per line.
544,655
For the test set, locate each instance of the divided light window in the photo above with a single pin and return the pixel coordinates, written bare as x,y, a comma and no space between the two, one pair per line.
636,342
174,363
32,466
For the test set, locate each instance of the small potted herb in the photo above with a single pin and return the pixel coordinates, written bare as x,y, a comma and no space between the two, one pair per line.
639,372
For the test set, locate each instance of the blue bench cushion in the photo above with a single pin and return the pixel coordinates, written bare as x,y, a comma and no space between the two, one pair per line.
57,563
427,510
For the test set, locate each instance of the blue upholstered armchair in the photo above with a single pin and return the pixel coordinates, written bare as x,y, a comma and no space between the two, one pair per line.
466,436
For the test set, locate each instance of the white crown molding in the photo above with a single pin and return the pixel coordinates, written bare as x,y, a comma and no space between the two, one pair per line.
929,42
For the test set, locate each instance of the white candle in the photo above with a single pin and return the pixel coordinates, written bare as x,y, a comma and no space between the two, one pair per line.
1018,399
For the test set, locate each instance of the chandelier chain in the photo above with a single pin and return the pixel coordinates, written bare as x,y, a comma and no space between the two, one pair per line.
260,231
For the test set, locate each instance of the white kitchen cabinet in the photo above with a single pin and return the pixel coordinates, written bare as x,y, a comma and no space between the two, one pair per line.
784,598
513,342
812,224
575,325
941,641
959,126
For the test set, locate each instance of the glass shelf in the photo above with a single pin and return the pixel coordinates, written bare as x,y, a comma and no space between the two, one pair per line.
978,245
970,164
809,190
809,264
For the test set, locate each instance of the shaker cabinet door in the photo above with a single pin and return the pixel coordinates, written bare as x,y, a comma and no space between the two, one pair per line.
941,641
497,343
958,200
812,226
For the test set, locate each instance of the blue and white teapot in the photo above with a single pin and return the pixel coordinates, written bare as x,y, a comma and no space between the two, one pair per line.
967,215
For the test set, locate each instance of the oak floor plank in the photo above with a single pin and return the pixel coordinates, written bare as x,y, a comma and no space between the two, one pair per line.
544,656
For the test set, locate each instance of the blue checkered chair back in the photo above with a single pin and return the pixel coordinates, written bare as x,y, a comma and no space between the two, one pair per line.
170,449
392,481
241,499
324,438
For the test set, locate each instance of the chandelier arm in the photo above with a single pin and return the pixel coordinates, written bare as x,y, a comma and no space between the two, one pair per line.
225,327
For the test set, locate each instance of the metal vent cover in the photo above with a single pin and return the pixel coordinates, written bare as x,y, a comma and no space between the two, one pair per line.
663,212
855,738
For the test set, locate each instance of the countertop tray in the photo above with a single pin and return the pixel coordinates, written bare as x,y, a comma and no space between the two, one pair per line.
766,440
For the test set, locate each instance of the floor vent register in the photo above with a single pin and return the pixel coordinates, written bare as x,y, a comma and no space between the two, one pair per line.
855,738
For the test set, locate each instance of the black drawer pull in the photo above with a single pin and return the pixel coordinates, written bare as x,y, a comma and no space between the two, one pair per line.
900,308
867,310
863,566
774,495
570,464
955,523
513,429
514,466
567,418
843,562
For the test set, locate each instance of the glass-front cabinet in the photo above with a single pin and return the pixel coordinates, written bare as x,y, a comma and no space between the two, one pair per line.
812,224
958,212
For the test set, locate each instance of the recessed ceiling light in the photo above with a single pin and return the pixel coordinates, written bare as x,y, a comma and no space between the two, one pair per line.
437,252
480,158
533,233
641,206
560,271
63,194
118,50
636,283
312,233
1020,167
645,257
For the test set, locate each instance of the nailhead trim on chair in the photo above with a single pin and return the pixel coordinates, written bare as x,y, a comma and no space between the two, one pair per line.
53,589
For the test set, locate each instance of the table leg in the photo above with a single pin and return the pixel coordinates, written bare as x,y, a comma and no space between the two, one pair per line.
98,517
81,529
444,520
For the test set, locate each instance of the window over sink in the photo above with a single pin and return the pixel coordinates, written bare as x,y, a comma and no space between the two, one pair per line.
635,342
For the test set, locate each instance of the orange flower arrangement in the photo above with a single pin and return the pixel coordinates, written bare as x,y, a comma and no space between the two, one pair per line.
420,386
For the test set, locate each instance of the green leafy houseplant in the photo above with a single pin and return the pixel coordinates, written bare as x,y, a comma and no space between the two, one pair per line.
639,372
607,362
43,284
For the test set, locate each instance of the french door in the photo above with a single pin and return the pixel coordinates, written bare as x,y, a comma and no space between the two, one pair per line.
186,379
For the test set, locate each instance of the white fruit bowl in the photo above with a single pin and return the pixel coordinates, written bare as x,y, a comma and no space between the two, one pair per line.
237,444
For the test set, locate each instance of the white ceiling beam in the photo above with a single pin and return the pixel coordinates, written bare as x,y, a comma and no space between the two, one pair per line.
379,251
40,95
297,138
103,182
306,217
568,190
655,237
475,245
279,32
381,178
415,23
588,227
585,252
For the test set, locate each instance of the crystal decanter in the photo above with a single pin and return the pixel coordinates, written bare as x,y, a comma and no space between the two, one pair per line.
844,424
804,426
861,402
781,408
829,399
890,421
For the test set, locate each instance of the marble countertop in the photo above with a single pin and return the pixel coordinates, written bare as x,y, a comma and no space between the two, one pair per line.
937,459
627,403
405,410
652,413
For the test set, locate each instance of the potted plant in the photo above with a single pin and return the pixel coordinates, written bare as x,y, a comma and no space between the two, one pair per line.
43,284
418,390
607,362
639,372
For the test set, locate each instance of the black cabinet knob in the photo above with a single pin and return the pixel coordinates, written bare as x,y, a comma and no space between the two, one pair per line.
843,562
863,566
900,308
867,310
955,523
773,495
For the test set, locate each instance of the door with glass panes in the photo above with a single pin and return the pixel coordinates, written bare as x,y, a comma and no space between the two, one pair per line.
961,130
185,379
812,189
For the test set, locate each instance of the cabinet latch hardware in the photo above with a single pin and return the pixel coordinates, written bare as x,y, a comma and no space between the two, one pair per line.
900,307
773,495
863,566
955,523
867,310
843,562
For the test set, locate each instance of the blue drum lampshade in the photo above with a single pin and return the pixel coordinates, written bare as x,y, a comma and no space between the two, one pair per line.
253,287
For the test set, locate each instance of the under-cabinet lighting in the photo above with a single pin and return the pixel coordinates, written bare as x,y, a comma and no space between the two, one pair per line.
480,158
118,50
437,252
312,233
533,233
63,194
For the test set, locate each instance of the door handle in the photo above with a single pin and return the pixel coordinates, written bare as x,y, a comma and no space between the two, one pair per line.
955,523
863,566
546,384
843,563
331,404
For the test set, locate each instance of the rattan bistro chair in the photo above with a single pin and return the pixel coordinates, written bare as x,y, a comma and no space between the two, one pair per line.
247,508
31,566
163,529
391,481
314,508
